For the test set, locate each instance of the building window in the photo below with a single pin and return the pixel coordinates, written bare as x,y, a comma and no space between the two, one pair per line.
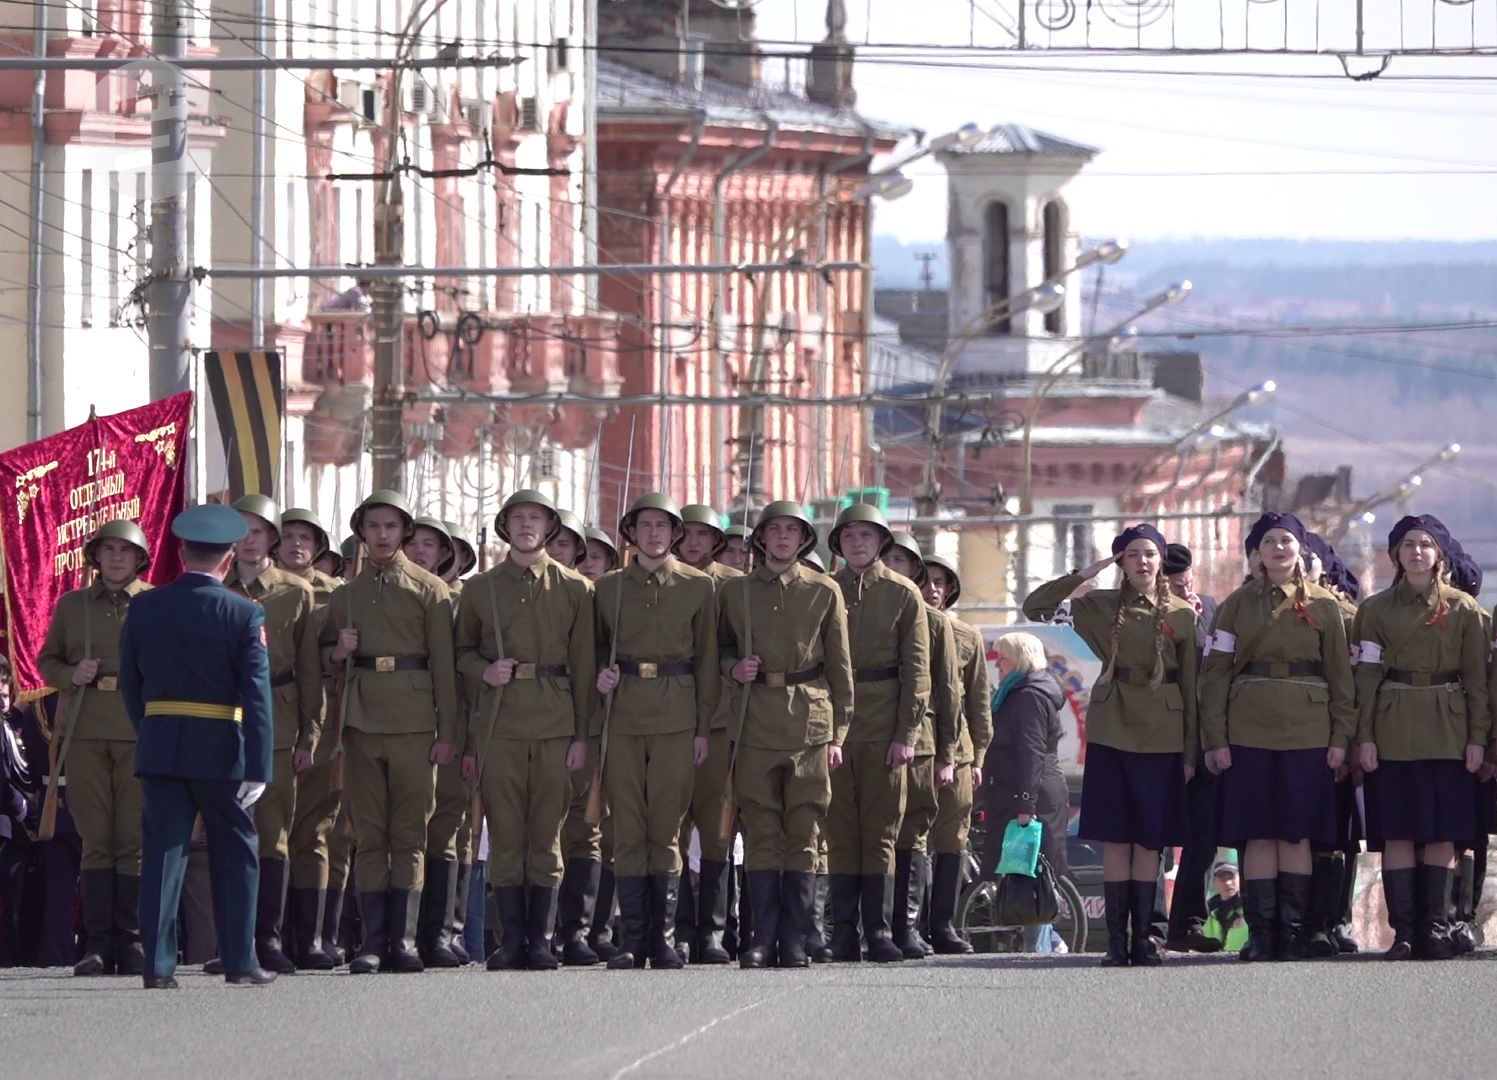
1074,540
1055,252
995,257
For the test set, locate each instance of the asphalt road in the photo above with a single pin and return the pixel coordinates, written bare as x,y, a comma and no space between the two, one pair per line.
979,1017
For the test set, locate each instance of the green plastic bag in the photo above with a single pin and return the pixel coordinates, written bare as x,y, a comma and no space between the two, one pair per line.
1021,848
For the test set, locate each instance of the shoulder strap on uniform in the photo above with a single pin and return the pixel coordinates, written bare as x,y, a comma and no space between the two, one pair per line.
1402,638
1246,654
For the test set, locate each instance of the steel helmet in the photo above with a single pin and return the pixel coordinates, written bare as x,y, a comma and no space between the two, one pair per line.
790,509
306,517
955,589
263,507
702,514
653,500
607,541
439,527
571,523
526,495
384,498
860,511
119,529
349,549
813,560
467,554
904,540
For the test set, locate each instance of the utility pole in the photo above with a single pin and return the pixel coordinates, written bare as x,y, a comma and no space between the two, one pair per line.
259,138
170,287
927,275
387,428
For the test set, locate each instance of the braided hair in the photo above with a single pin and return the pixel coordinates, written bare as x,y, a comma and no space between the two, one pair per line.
1161,611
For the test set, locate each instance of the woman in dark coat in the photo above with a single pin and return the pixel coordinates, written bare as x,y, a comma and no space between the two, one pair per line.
1021,774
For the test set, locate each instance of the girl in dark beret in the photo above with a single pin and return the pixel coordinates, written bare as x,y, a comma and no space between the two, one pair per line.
1423,728
1140,728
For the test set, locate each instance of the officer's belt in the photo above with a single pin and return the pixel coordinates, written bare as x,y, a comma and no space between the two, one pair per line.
789,678
1280,670
202,710
878,674
1137,676
390,663
108,683
283,678
1421,678
643,669
540,671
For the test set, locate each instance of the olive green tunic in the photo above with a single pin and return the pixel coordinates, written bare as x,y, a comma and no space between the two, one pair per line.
975,718
887,628
102,714
292,627
1125,715
1298,712
1415,723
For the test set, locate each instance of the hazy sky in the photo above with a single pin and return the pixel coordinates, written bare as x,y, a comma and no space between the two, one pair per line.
1426,131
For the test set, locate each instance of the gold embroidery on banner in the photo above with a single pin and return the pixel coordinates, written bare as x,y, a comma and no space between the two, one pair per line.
27,489
164,439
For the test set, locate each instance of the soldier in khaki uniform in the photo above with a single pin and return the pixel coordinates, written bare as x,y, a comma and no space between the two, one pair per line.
467,557
782,636
889,634
103,792
738,553
316,851
706,912
974,732
569,545
291,636
393,625
526,652
659,617
463,565
935,759
432,549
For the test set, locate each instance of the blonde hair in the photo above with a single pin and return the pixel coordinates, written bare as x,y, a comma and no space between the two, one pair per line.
1025,651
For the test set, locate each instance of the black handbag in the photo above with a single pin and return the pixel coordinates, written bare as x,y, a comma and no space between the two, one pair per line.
1027,901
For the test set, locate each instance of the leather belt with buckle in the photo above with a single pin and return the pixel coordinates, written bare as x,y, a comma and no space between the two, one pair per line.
540,671
1422,678
108,683
1282,670
1137,676
283,678
789,678
390,663
644,669
881,674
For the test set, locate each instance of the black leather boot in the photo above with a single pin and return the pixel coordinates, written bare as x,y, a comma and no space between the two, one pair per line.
664,890
332,916
901,928
634,922
1432,941
98,923
1116,900
306,930
1398,898
270,906
510,955
847,897
438,897
458,945
1260,908
1294,902
540,922
1463,906
919,896
579,892
1325,893
600,936
1142,952
1342,913
876,903
687,890
404,910
764,889
712,913
129,956
374,910
797,899
816,946
946,882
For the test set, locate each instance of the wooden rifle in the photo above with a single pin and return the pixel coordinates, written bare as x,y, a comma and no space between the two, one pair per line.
340,722
729,801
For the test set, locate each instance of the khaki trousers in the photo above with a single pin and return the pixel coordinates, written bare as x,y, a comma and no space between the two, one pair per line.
391,793
579,840
649,780
920,804
104,797
868,799
782,798
442,831
275,809
953,814
707,800
317,806
340,849
526,791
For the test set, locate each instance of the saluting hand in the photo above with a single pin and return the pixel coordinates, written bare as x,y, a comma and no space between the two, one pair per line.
1101,564
608,679
348,644
747,669
1367,757
499,673
85,672
441,753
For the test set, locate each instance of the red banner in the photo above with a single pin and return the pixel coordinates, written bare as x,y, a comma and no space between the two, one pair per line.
54,495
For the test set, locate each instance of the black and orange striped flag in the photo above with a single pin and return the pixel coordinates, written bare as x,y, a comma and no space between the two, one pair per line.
246,388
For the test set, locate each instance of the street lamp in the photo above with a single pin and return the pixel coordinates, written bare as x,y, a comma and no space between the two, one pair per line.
1400,492
886,185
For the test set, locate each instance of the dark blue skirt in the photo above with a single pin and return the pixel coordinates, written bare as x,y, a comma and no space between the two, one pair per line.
1285,795
1486,813
1428,802
1129,798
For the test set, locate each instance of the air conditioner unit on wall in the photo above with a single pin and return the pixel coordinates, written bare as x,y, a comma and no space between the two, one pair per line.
351,95
530,114
476,113
428,99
